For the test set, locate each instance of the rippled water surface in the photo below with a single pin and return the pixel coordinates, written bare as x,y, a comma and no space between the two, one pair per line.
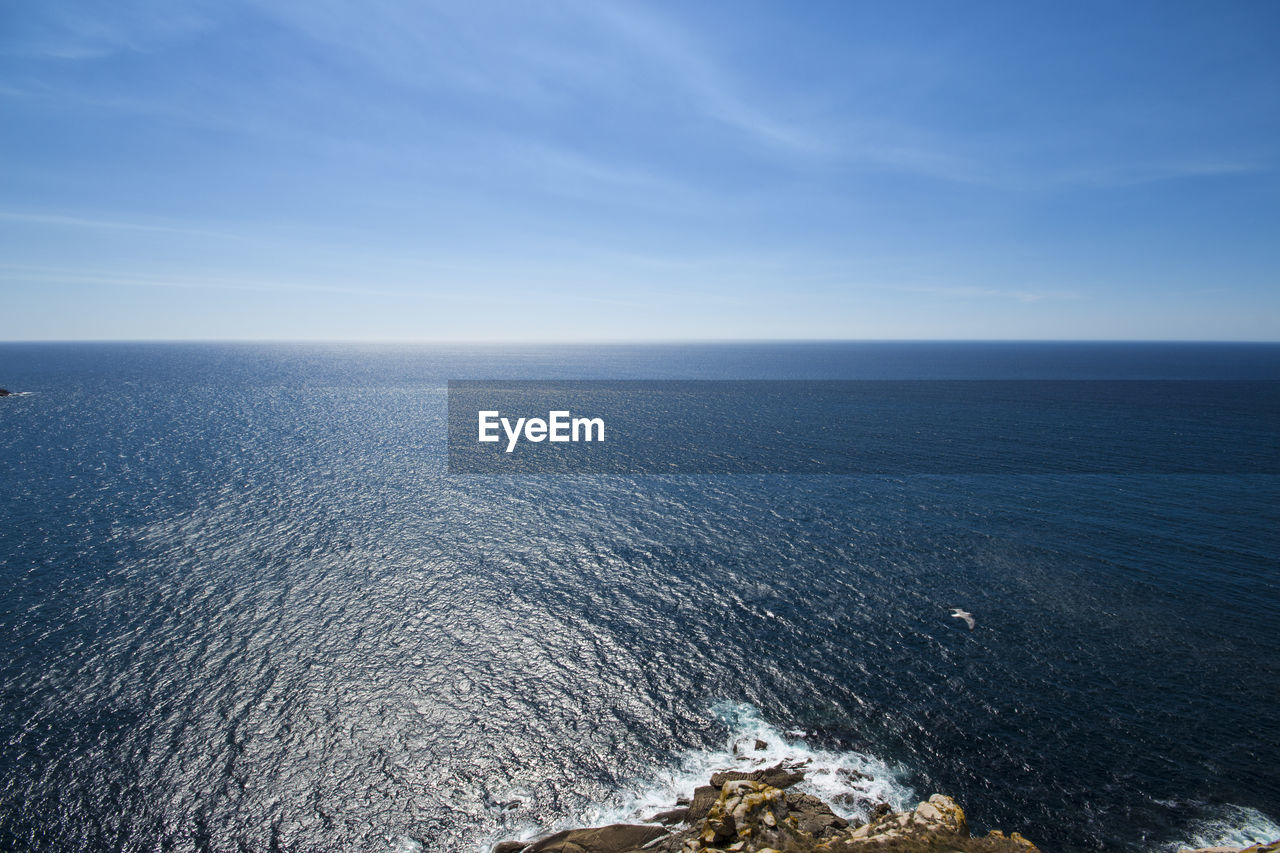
244,608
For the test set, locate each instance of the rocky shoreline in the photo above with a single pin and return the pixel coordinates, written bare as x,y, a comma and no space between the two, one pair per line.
759,811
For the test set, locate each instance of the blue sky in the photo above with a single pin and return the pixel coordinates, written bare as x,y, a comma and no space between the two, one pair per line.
605,171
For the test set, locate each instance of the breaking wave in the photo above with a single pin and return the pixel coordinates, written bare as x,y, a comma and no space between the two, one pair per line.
1230,826
851,782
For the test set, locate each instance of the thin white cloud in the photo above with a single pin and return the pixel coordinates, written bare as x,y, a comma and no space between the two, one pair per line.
57,220
965,292
61,30
479,289
17,275
566,172
609,55
1135,174
546,55
710,86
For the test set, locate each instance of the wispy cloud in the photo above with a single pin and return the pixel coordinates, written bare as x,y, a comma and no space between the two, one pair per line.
20,275
60,221
73,32
546,55
965,292
479,286
708,85
562,171
1136,173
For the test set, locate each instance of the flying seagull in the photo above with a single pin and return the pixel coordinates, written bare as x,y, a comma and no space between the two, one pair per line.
965,615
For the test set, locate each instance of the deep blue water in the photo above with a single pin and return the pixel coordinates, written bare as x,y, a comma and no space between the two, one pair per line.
244,608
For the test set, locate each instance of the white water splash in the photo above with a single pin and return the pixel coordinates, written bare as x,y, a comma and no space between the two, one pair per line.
1231,826
851,782
405,844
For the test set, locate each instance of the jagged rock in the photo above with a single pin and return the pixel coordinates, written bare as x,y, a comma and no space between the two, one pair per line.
746,809
938,816
850,799
4,392
943,813
704,797
782,778
761,745
1269,847
813,816
746,814
719,779
1015,837
673,816
778,776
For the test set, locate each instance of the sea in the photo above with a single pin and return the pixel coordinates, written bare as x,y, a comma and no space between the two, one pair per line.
245,606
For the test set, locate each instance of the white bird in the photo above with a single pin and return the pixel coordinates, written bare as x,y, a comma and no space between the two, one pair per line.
957,613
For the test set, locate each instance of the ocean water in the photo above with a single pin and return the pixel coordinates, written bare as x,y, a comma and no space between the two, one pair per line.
244,608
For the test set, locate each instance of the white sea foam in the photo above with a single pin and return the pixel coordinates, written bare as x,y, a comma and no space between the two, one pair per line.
851,782
405,844
1231,826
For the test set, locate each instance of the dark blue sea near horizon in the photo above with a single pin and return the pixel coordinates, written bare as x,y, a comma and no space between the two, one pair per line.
245,608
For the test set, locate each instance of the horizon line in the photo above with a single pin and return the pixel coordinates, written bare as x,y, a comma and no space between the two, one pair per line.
629,341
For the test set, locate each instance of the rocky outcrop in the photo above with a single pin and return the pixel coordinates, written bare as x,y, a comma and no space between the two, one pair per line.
1272,847
759,812
4,392
618,838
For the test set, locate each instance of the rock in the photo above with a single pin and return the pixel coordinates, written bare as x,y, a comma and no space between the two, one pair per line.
718,780
747,814
777,776
760,745
1017,838
4,392
943,815
933,826
674,816
704,797
813,816
782,778
564,846
615,838
948,813
746,809
545,843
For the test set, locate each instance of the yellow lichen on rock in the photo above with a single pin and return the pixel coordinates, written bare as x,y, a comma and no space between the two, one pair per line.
749,815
